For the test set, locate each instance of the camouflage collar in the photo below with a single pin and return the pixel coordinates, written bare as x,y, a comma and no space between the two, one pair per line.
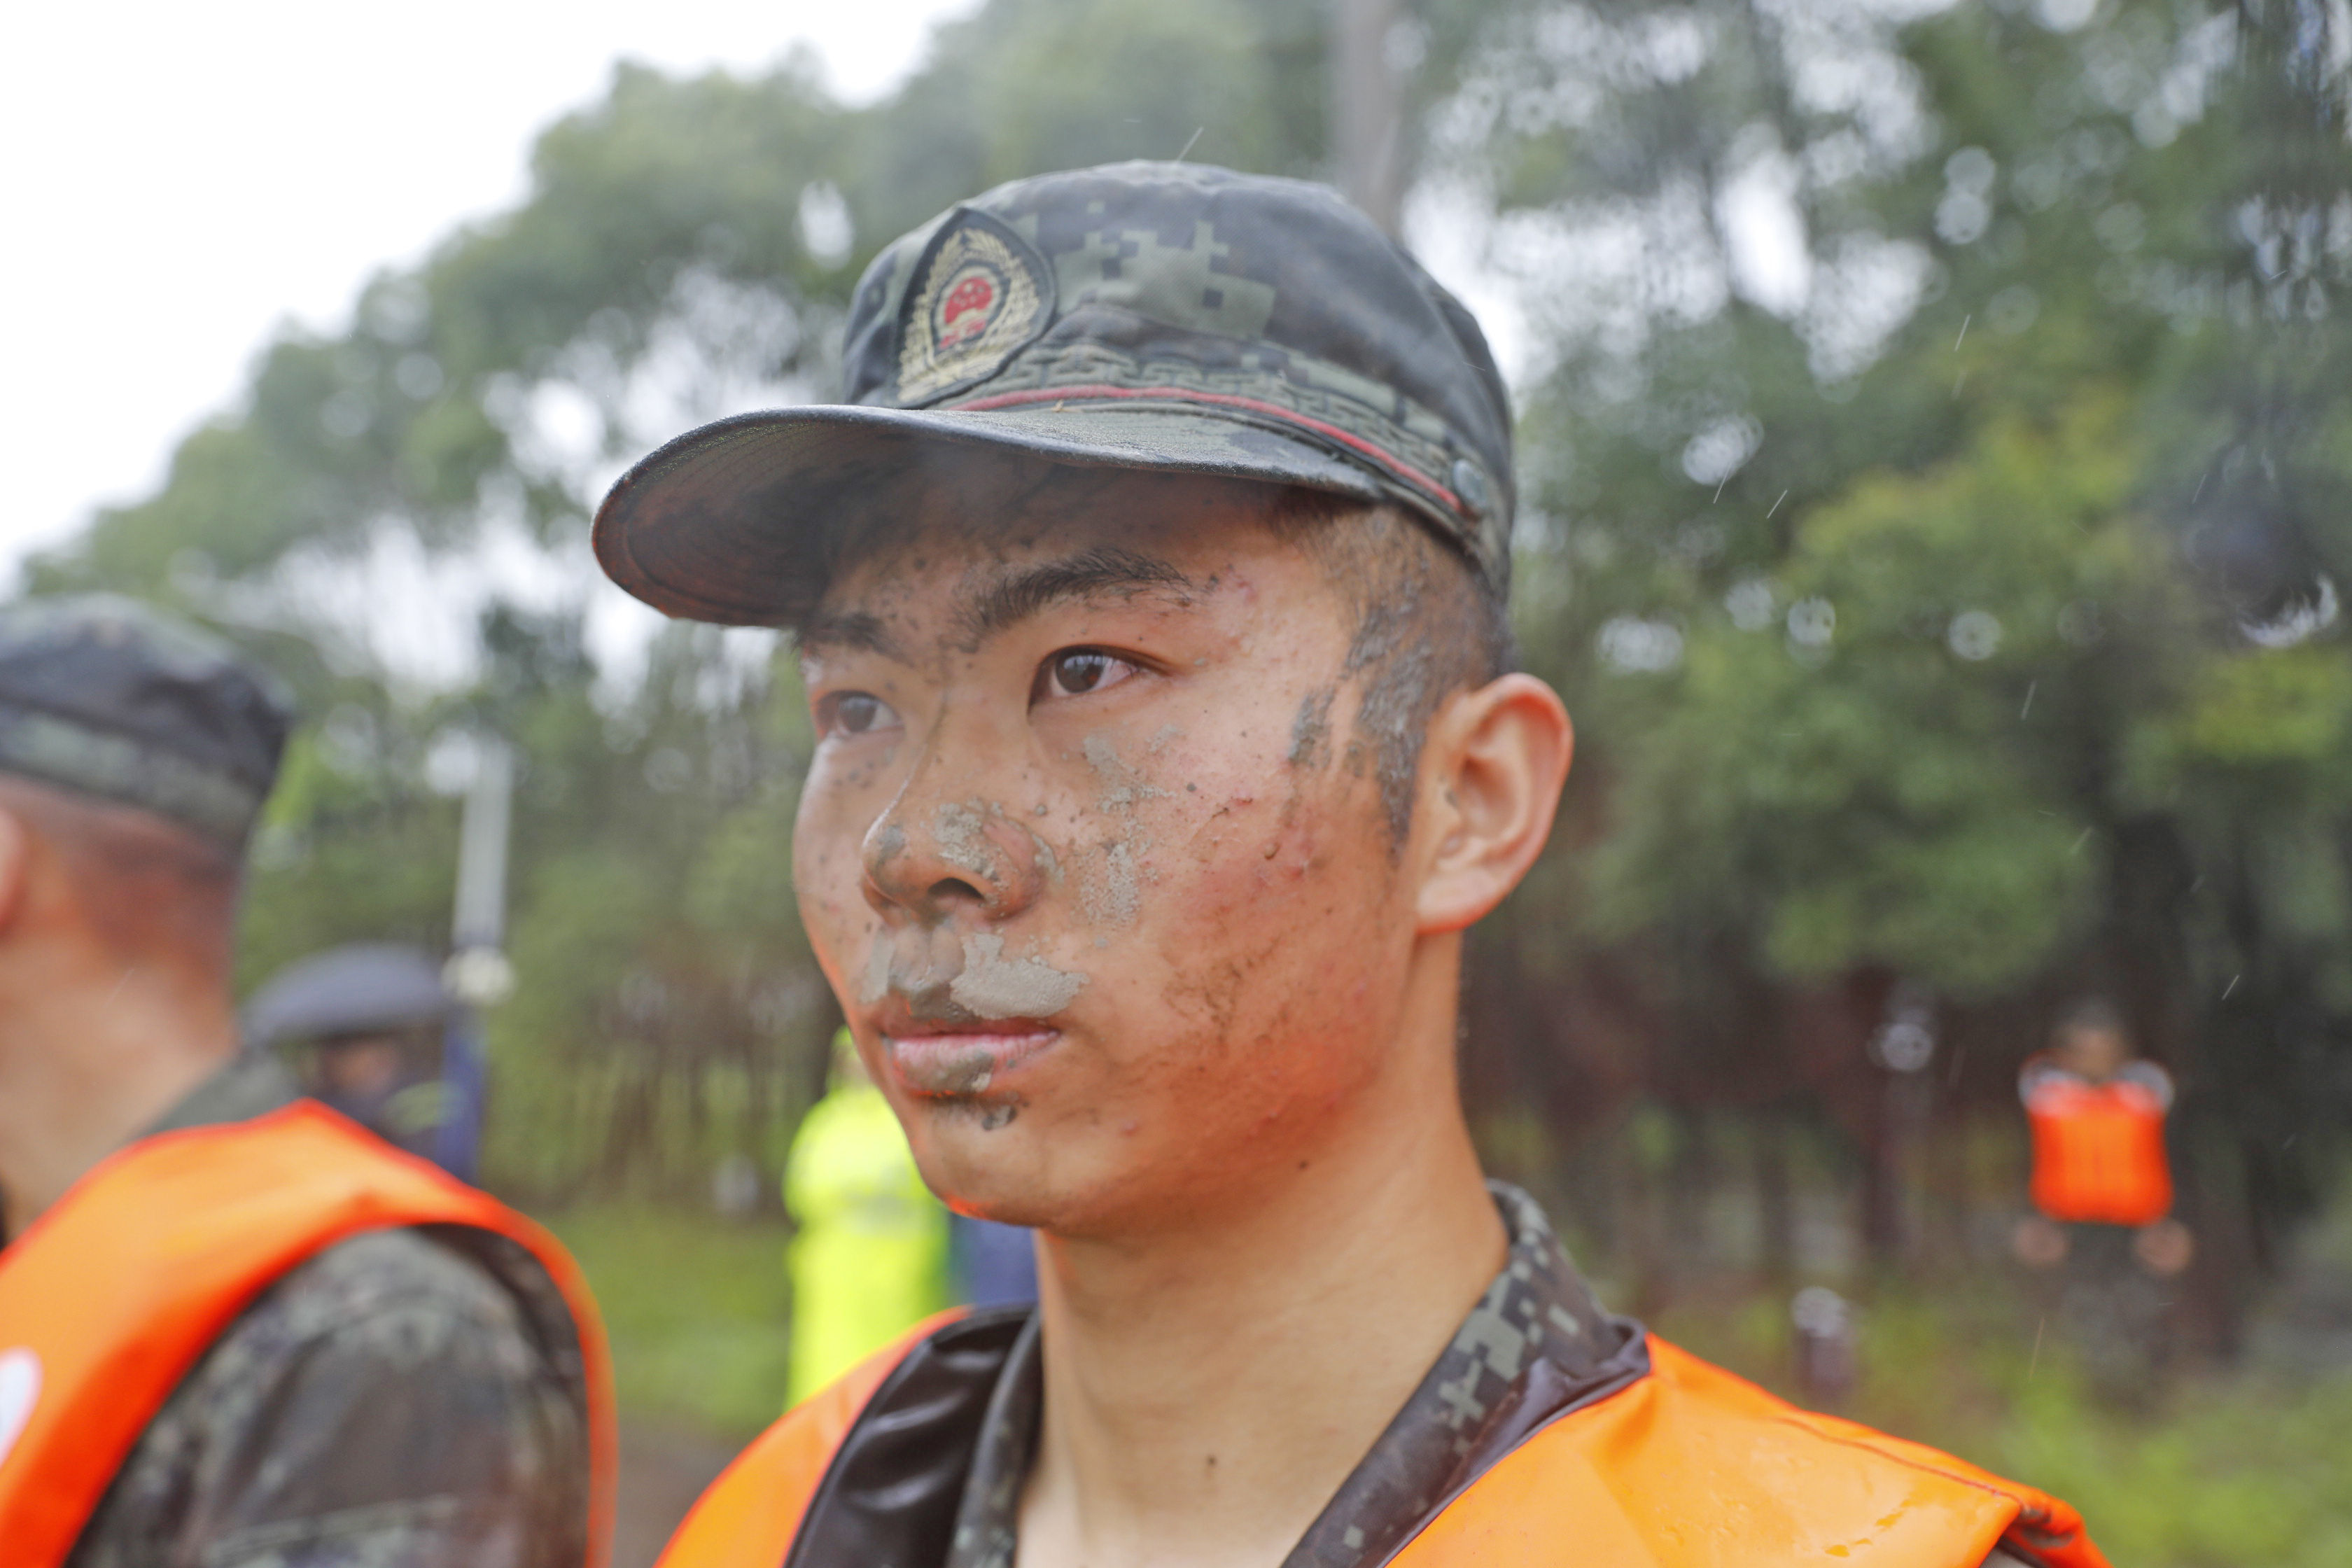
1537,1345
251,1083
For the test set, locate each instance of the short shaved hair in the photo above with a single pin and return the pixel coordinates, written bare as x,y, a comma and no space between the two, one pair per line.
1425,625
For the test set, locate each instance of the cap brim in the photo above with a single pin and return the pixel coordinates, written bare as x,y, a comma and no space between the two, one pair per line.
740,521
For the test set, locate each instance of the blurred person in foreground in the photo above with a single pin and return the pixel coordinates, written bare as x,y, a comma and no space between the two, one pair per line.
2102,1190
868,1256
1151,595
235,1330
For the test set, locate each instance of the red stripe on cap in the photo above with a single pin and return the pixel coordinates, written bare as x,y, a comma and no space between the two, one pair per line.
1186,394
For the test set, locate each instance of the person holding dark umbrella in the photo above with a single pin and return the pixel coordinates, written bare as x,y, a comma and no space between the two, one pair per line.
377,1035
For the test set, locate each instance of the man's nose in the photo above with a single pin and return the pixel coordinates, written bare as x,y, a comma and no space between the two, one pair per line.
932,858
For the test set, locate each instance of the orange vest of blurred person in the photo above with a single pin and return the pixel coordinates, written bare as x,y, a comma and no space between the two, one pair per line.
1687,1467
111,1297
2098,1151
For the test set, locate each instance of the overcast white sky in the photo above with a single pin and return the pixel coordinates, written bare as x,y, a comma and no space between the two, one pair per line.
181,178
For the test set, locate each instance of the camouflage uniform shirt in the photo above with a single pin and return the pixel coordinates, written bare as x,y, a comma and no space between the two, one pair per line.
388,1404
1537,1312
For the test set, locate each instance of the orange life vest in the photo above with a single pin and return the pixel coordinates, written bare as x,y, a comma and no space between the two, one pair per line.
2098,1151
1687,1467
112,1296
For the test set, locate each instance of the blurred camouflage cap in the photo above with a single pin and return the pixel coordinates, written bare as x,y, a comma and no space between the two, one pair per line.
103,696
1170,317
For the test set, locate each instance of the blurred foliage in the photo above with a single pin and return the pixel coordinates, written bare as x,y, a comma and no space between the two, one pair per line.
1937,466
696,1311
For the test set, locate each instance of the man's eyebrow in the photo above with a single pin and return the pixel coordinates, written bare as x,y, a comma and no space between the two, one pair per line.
1095,573
847,629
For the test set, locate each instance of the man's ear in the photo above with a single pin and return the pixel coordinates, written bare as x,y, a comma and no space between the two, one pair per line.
15,865
1491,774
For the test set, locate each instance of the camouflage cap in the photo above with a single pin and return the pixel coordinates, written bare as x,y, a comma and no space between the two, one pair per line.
1170,317
105,696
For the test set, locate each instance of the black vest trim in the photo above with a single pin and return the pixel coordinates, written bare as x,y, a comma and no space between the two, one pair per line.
888,1497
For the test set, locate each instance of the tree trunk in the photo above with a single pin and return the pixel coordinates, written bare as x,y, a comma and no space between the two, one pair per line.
1776,1222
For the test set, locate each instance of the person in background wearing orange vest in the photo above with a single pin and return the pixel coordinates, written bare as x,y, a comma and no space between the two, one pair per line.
2101,1187
234,1328
2098,1116
1150,592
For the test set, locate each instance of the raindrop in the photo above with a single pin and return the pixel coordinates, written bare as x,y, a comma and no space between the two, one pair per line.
2303,618
1970,169
2039,186
1813,623
1905,1046
1975,634
1962,216
1631,645
1717,452
2013,310
1752,603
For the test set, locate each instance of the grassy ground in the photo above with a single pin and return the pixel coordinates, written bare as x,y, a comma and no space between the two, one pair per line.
697,1310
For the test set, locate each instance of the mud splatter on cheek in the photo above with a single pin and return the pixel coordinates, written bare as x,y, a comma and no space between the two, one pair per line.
878,970
994,987
1111,877
1111,890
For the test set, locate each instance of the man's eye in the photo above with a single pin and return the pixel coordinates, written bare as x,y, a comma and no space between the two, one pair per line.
854,713
1082,669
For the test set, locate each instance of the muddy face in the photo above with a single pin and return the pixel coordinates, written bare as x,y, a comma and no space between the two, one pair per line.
1116,928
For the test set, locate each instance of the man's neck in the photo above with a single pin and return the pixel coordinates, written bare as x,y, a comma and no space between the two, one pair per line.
1206,1393
88,1063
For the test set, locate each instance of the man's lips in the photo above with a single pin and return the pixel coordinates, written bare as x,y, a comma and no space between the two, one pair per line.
951,1061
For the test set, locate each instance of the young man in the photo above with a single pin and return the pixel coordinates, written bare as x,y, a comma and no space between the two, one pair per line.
234,1328
1150,596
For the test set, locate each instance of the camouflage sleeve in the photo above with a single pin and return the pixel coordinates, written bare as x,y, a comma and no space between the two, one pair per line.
384,1405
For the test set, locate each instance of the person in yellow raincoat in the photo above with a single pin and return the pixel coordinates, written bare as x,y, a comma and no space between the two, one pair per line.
868,1261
